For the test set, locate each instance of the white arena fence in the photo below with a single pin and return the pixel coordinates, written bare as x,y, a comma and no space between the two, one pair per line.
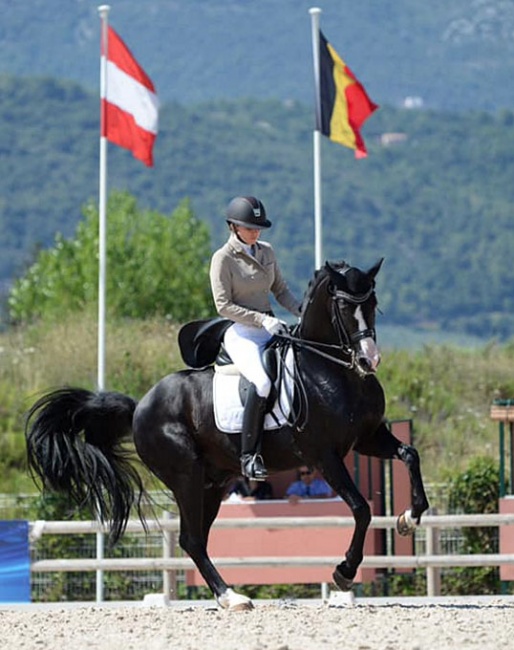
431,560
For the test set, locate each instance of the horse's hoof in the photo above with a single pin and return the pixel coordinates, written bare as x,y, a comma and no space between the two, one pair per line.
405,524
344,583
234,602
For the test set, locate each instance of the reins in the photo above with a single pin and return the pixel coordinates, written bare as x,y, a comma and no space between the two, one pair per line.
313,346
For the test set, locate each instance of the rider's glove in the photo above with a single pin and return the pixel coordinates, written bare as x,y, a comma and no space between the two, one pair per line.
274,325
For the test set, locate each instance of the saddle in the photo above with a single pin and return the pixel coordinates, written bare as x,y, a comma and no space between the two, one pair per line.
270,361
200,340
201,345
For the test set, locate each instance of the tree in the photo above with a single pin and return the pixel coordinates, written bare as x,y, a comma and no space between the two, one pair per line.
156,265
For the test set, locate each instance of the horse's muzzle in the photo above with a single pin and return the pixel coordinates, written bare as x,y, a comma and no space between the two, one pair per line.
368,357
366,365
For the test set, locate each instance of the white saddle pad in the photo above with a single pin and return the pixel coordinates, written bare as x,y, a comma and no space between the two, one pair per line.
228,410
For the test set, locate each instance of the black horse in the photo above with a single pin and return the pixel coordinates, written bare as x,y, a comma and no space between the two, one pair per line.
75,438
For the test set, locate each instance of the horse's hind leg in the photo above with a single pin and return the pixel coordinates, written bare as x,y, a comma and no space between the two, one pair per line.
166,452
198,508
384,445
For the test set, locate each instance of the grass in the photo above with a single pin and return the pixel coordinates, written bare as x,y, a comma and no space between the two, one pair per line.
446,391
37,359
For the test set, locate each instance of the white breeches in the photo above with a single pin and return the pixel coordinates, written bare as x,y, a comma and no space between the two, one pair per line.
245,344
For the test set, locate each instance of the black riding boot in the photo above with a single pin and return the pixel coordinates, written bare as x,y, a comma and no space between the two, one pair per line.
252,465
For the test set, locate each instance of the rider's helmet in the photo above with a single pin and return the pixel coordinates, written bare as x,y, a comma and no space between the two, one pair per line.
247,211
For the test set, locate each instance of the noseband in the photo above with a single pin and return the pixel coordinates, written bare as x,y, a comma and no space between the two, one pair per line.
349,340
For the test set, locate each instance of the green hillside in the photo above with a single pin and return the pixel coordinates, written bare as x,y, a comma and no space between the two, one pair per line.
436,204
454,55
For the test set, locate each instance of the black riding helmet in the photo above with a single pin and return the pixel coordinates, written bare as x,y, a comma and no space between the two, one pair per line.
247,211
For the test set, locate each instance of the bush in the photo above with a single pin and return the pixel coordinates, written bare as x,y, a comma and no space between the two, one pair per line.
476,490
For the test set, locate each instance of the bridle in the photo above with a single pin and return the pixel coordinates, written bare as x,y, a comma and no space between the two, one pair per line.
342,353
346,340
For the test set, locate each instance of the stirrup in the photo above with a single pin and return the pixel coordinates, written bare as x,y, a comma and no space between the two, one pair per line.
252,466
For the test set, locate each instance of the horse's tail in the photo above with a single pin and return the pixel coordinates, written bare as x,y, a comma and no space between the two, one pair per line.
75,446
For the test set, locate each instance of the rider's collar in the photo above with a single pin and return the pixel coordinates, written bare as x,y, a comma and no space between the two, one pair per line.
241,247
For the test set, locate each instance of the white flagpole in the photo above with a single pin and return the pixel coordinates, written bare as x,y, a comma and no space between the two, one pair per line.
318,230
103,10
102,205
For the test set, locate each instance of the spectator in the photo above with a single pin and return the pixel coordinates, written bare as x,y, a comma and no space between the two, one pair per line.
308,486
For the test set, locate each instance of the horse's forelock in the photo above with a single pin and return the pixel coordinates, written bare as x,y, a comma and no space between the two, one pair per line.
345,277
358,282
349,278
320,275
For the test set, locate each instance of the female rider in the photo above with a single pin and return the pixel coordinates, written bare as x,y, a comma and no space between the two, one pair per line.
243,273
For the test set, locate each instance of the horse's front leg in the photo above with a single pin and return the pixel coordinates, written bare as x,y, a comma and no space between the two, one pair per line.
336,474
384,445
410,519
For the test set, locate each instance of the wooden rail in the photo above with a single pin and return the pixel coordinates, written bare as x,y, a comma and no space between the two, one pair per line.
431,560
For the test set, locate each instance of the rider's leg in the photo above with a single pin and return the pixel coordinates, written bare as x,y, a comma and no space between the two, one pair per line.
252,464
245,347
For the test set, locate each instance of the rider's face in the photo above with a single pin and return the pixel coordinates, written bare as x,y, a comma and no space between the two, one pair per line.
248,235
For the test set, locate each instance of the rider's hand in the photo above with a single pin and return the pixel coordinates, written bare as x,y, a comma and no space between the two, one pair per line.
274,325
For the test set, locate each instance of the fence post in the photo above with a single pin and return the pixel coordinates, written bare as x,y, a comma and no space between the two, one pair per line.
169,578
99,573
433,548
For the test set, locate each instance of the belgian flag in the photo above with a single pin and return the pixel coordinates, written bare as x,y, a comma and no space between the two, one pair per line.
344,104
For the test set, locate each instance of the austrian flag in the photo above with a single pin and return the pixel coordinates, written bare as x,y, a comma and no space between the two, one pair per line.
130,108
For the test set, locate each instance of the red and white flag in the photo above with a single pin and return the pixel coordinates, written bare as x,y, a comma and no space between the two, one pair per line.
130,109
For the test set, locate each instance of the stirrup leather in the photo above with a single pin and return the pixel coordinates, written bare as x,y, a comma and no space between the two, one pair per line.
252,466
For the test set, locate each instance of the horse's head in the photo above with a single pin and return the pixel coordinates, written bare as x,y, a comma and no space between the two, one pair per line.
340,309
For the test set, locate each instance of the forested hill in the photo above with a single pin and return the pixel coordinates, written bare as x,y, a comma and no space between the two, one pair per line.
434,197
452,55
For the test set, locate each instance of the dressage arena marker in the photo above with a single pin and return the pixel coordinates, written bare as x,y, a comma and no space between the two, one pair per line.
341,599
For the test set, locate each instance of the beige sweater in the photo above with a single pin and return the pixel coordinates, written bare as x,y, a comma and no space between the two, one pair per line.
241,283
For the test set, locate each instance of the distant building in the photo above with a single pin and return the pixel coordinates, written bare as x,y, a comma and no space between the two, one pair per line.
388,139
413,102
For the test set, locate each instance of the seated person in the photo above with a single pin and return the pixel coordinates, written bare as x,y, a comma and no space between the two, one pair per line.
250,490
308,486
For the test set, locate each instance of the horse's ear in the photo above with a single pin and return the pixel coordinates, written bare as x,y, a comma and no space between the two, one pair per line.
372,273
333,274
331,270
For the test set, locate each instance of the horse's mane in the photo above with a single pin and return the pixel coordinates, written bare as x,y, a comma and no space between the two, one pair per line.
320,275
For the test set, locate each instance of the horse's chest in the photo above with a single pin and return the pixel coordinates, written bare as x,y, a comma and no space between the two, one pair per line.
355,407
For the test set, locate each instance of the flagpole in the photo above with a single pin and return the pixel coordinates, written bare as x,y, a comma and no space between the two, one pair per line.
102,204
318,230
103,10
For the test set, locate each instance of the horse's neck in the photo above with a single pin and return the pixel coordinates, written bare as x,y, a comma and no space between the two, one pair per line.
316,323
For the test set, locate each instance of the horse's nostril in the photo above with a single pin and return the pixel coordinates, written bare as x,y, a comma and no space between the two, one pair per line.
365,363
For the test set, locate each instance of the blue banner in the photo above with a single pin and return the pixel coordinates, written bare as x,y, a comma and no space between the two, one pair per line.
14,562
